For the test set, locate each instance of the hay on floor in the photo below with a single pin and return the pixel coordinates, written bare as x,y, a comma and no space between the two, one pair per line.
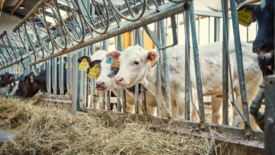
49,130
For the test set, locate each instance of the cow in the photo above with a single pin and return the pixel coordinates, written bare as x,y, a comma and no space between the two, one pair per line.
29,85
263,44
106,82
136,66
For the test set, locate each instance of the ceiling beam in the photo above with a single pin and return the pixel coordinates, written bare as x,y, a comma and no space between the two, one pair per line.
16,6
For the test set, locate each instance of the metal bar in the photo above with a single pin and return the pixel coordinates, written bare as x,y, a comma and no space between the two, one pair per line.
225,62
269,117
208,29
159,99
106,48
166,10
54,76
119,48
186,16
197,64
137,41
240,63
166,71
74,85
61,75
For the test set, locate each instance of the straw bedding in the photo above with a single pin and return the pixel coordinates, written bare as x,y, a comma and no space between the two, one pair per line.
49,130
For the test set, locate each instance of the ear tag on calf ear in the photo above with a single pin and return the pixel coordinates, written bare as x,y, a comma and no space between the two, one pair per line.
83,66
31,79
0,78
66,66
110,60
245,17
116,63
93,73
153,62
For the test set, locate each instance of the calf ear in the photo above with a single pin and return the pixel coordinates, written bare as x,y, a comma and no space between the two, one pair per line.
94,63
153,57
114,54
81,58
249,7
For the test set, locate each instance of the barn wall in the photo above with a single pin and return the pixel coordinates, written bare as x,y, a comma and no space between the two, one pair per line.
7,22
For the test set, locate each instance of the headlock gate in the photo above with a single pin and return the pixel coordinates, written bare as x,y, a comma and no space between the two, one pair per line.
57,33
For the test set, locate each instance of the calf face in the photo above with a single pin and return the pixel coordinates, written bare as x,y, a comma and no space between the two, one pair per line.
263,13
135,64
6,79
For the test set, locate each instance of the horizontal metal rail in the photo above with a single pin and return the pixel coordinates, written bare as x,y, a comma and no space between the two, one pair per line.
166,10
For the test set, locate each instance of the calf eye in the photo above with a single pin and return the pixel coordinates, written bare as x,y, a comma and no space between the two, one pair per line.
136,62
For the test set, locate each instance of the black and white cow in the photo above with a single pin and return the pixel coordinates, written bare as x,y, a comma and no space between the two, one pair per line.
263,45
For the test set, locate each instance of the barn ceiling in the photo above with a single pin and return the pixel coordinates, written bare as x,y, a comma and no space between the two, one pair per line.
22,11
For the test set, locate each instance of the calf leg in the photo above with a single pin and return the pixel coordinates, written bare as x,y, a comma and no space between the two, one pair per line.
193,112
216,110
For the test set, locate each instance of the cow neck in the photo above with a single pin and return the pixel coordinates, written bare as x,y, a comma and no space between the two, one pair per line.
150,81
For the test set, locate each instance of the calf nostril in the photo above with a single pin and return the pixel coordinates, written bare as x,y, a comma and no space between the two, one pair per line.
121,80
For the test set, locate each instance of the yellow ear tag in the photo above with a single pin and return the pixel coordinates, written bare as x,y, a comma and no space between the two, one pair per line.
153,62
83,66
116,63
93,73
66,66
0,78
245,17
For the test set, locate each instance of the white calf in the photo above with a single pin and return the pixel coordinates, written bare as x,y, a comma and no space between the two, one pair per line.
135,67
106,82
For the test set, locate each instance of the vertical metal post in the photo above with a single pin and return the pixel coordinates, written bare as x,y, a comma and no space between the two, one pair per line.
92,80
196,61
54,76
178,29
119,48
82,83
61,75
48,75
69,73
269,127
157,31
143,93
74,85
218,28
137,34
186,16
225,62
240,62
166,71
247,34
106,48
208,29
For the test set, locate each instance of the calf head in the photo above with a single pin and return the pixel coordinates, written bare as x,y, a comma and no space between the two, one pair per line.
6,79
263,13
135,64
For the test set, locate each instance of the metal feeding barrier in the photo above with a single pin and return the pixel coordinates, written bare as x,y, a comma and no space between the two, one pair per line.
57,32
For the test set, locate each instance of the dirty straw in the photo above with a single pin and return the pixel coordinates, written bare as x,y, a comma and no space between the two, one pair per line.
46,130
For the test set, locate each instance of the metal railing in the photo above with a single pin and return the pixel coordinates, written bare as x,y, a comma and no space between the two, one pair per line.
73,27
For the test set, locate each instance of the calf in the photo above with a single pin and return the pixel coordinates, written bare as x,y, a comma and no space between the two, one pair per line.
137,66
106,82
263,44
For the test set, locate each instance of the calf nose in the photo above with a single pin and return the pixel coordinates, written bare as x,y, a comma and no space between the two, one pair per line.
100,84
118,79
